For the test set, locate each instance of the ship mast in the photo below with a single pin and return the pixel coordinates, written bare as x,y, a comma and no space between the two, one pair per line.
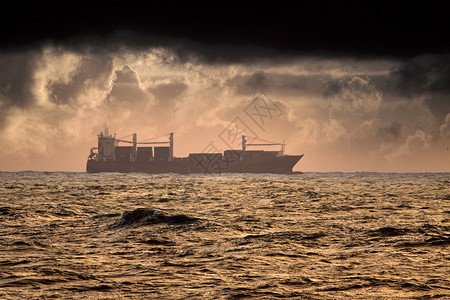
135,143
269,143
134,155
171,146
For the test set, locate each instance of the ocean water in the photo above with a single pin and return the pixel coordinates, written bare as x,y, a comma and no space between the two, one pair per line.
303,236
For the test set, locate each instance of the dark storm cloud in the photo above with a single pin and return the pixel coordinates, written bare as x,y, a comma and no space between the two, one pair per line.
390,133
181,49
221,33
93,70
219,54
423,75
333,87
356,83
352,100
17,78
336,86
16,82
165,92
276,83
427,76
299,27
259,81
291,82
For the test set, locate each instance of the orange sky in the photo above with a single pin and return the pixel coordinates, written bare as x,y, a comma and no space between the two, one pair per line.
344,114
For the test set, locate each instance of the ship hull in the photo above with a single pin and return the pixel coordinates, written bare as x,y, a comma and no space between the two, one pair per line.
277,165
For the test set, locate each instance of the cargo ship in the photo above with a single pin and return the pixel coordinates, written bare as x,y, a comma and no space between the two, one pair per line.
108,156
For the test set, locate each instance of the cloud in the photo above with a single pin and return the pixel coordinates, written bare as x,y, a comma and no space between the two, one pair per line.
354,97
83,72
301,29
16,82
423,75
415,142
426,76
127,76
331,107
128,90
16,77
311,132
390,133
166,92
50,75
439,105
251,84
49,95
444,129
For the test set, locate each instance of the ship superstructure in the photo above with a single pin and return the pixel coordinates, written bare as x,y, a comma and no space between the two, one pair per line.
109,156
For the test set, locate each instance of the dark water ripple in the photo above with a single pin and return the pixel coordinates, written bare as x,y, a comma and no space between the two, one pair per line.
309,236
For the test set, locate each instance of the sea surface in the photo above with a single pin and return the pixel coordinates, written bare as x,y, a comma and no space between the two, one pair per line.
302,236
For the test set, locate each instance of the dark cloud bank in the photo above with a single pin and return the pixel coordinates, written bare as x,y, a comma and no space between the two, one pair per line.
291,27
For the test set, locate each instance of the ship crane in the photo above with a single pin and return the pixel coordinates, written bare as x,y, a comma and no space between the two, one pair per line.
135,143
267,143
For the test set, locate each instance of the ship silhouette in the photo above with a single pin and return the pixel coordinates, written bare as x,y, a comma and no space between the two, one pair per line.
108,156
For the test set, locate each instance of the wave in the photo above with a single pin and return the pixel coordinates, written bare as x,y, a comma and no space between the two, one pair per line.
150,216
